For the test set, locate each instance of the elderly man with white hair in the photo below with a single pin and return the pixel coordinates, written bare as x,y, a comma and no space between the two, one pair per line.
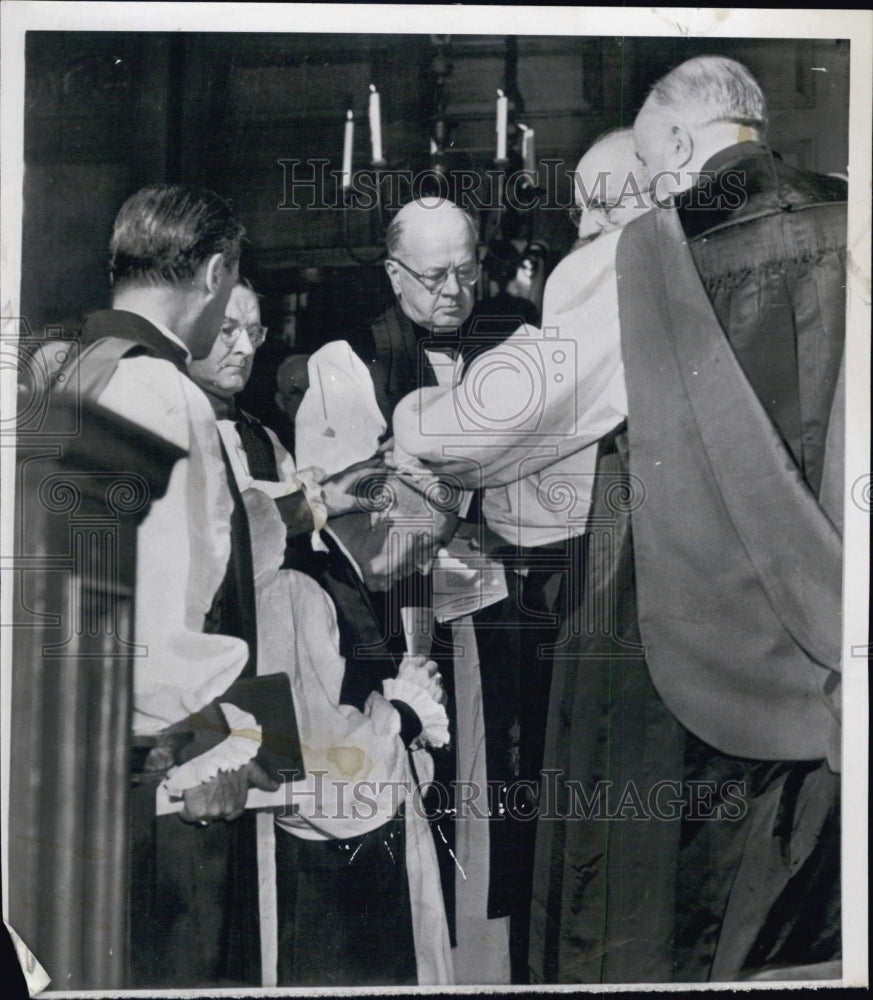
733,323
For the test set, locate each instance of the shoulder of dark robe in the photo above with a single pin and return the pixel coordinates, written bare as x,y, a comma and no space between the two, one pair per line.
503,309
748,181
769,243
124,325
86,363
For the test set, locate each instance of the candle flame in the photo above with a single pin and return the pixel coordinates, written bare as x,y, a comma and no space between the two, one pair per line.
500,93
349,116
372,88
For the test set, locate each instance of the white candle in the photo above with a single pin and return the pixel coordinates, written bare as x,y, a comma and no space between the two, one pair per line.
375,124
348,141
502,112
527,148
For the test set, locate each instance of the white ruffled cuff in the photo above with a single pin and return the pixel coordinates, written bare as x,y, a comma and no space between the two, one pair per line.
231,754
431,715
314,494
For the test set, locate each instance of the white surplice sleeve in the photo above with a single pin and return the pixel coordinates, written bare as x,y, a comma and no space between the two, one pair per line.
182,549
539,396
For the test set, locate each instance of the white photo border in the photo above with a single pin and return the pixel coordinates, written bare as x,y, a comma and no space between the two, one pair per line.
18,17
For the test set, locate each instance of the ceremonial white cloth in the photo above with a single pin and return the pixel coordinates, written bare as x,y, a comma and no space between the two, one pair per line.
339,422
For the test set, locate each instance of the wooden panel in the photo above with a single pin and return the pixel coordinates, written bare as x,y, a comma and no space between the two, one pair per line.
474,84
306,92
553,83
224,110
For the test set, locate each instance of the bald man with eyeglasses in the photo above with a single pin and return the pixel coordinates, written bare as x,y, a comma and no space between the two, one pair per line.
433,266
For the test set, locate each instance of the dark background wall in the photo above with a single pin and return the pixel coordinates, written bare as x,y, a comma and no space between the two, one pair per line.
108,112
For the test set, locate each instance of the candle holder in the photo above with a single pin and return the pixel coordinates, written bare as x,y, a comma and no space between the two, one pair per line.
512,177
348,206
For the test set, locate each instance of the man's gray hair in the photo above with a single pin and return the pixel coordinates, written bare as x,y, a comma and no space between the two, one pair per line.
396,227
711,89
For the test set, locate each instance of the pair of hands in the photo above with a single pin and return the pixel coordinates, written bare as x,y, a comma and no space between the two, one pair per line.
339,490
418,669
224,796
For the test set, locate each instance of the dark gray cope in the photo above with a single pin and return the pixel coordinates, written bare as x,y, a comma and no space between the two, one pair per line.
720,662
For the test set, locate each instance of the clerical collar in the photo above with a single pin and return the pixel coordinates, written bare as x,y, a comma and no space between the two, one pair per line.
125,324
168,333
724,158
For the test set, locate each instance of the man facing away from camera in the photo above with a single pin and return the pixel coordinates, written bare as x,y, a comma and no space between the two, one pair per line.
173,263
731,302
740,325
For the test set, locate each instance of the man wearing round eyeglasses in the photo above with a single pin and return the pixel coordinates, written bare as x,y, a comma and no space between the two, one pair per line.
229,364
255,452
433,267
433,263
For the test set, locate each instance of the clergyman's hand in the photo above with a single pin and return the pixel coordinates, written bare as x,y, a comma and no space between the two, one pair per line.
224,796
341,489
418,669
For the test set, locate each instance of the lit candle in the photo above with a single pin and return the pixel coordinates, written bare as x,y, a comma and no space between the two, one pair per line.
502,113
375,124
348,140
434,149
